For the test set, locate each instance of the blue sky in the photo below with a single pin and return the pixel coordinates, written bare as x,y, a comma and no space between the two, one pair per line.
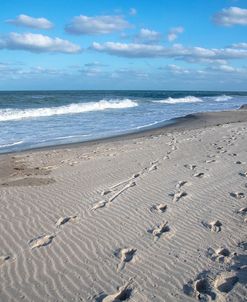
161,44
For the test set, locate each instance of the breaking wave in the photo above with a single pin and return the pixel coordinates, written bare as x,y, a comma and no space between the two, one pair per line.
187,99
19,114
222,98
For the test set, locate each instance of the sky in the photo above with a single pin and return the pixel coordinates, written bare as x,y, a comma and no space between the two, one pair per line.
138,44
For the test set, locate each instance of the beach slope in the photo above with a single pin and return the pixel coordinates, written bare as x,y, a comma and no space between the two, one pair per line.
155,216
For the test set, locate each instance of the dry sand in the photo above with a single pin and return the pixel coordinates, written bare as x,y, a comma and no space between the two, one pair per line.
158,216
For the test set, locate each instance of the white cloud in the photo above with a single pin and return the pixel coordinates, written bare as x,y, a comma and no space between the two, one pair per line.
231,16
132,11
135,50
37,23
174,32
175,69
147,35
37,43
227,69
84,25
239,45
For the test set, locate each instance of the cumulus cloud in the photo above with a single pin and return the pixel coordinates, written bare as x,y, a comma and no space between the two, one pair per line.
135,50
37,43
147,35
174,32
84,25
37,23
231,16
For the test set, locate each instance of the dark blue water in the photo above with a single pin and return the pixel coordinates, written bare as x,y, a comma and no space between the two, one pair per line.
45,118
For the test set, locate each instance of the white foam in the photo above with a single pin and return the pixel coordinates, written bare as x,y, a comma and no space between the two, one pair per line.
187,99
222,98
11,144
19,114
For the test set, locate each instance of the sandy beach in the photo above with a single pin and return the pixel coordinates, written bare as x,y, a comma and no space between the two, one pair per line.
155,216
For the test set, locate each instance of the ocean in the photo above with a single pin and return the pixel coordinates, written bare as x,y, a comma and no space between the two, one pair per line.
33,119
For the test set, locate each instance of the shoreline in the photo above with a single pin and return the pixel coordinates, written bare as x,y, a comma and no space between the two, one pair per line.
165,209
190,121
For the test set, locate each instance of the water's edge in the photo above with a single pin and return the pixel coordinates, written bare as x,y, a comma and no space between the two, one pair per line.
190,121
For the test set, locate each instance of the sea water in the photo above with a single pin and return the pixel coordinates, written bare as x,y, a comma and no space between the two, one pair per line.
34,119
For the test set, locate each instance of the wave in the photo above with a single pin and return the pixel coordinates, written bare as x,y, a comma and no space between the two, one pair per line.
11,144
19,114
222,98
187,99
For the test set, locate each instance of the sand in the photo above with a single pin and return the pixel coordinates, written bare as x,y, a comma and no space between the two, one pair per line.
155,216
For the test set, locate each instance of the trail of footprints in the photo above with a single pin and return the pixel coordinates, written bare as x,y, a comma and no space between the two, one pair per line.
204,285
209,286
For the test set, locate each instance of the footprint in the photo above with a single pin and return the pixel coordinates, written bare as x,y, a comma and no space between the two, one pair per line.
122,294
232,154
152,168
180,184
99,205
159,230
191,167
3,259
222,251
243,174
162,207
214,226
105,192
221,254
225,282
210,161
125,255
178,195
243,210
199,175
200,288
41,241
237,195
63,220
238,162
